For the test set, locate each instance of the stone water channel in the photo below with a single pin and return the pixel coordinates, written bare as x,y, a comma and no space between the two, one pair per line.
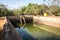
35,31
30,32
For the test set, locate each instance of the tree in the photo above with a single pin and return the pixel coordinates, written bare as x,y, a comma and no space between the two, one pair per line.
38,9
53,2
53,10
3,10
21,11
10,13
28,9
16,12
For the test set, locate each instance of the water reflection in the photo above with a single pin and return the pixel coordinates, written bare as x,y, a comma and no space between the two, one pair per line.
29,32
24,34
22,25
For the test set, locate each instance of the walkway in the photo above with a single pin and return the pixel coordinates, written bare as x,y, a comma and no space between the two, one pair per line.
2,22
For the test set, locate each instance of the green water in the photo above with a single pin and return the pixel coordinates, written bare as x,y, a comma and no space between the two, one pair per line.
29,32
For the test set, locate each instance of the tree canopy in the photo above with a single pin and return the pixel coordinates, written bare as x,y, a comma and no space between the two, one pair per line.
4,11
32,9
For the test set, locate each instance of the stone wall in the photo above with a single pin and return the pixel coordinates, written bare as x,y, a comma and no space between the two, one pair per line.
50,20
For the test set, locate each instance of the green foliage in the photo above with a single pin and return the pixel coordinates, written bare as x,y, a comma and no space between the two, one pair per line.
10,13
39,9
54,9
16,12
30,9
22,10
4,11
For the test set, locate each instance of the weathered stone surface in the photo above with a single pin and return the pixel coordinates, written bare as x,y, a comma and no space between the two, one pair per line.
49,20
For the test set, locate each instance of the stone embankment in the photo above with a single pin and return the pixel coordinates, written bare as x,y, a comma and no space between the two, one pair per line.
49,20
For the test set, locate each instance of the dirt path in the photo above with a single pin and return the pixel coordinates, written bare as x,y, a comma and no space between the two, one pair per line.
2,22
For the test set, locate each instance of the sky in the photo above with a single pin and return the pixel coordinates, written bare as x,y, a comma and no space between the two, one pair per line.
19,3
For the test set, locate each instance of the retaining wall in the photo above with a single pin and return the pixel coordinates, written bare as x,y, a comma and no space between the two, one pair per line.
49,20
